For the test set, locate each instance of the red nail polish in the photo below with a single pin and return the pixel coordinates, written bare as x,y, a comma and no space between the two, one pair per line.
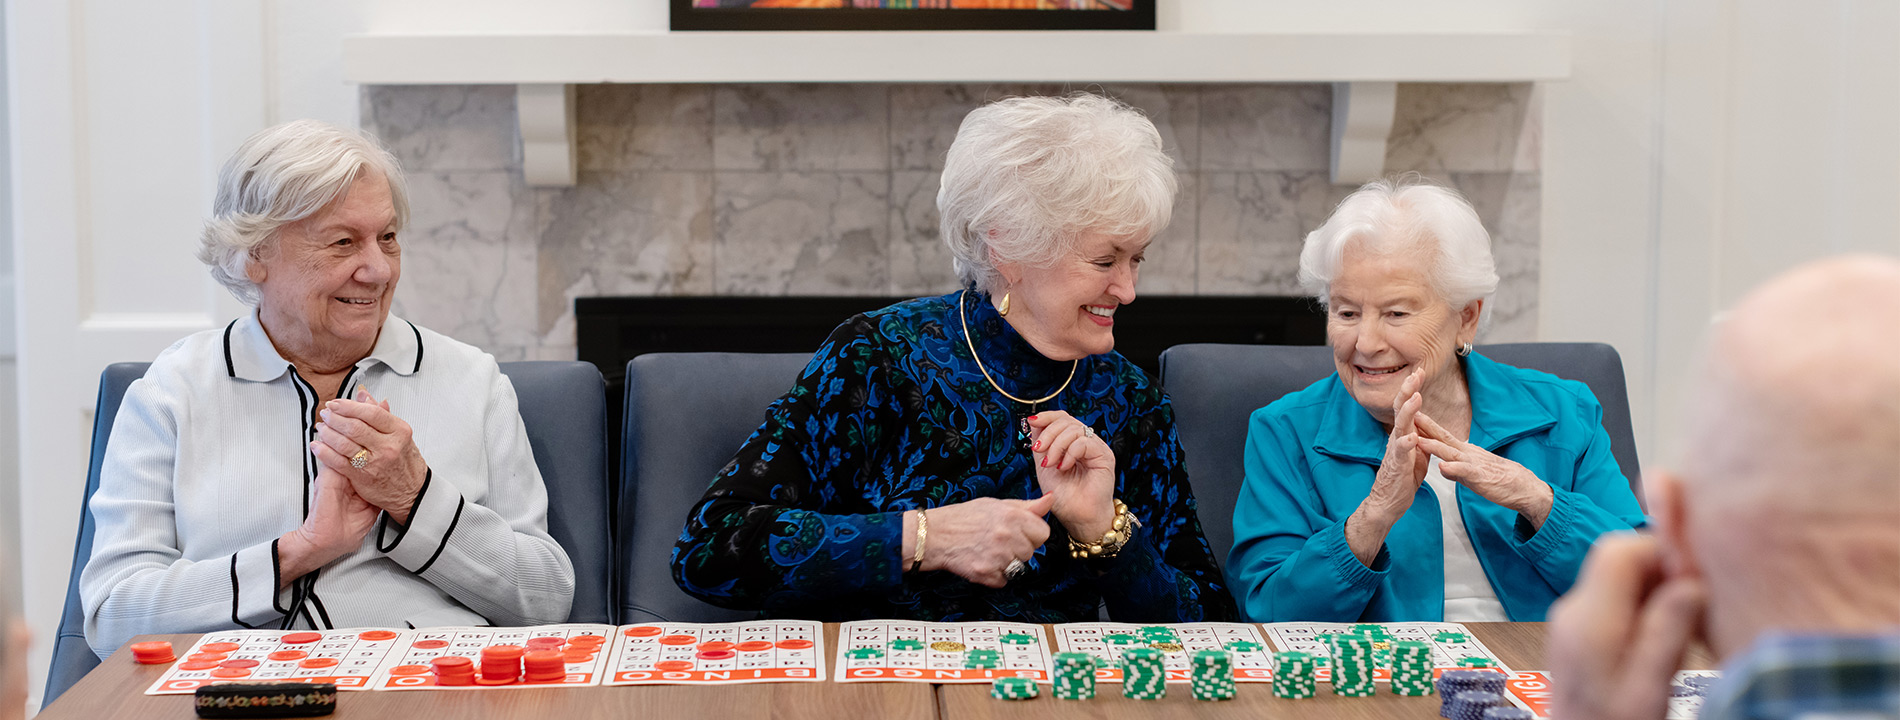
1032,417
1037,446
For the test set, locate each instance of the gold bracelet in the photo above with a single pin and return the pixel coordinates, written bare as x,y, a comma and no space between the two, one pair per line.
923,533
1112,541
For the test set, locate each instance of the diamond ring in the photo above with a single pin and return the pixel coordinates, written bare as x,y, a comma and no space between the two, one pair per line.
360,459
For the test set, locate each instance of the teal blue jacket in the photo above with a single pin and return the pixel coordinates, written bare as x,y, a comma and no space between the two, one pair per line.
1311,458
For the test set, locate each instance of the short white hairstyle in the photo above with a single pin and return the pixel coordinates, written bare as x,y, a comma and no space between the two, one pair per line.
281,175
1026,177
1407,213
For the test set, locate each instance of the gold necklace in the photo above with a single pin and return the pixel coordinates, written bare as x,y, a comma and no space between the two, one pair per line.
986,373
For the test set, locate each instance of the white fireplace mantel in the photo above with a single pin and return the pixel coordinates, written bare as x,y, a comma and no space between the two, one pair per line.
1364,68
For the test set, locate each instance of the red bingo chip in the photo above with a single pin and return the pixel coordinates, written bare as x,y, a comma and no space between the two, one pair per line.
452,663
409,670
231,672
577,656
223,647
643,631
717,654
488,680
672,665
377,635
152,653
300,638
238,663
203,657
429,644
678,640
544,643
198,665
794,644
284,655
594,640
716,645
755,646
314,663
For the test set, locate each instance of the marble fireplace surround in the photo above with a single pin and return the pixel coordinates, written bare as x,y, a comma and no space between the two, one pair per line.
828,189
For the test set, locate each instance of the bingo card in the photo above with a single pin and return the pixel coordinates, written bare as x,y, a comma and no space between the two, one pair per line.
348,658
1253,660
410,666
1450,642
718,653
932,652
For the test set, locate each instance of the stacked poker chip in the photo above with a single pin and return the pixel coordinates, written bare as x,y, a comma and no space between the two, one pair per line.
1213,675
543,666
1454,683
1411,668
1472,704
1074,676
1144,674
453,670
982,659
1294,675
501,664
157,652
1353,664
1158,634
1013,688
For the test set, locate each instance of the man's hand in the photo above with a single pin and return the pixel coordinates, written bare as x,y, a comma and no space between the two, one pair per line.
1617,638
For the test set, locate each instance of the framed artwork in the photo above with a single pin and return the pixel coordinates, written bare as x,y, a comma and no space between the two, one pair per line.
913,14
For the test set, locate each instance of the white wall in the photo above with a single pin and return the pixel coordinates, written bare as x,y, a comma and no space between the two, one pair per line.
1700,146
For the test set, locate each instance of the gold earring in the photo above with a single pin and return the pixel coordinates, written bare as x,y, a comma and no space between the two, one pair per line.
1003,309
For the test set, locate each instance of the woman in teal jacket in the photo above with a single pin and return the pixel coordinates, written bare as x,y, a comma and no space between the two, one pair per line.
1420,481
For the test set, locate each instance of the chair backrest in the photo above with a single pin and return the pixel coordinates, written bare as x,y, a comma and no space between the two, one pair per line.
1216,388
563,405
72,657
687,414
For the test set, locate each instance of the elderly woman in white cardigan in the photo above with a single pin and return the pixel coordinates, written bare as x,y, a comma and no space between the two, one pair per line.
318,463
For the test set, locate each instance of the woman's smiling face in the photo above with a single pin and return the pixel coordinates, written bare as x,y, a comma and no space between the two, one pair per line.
1067,310
1384,321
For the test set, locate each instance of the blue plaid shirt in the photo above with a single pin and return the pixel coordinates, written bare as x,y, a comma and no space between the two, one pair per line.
1790,676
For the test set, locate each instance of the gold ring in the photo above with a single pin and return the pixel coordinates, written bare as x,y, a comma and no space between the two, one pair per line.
360,459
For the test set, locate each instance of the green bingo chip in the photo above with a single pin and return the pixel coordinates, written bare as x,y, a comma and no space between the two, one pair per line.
1447,636
1244,646
1018,639
864,653
907,644
1013,688
1123,639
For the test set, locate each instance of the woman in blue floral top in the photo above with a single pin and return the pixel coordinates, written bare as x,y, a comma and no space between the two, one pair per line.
984,454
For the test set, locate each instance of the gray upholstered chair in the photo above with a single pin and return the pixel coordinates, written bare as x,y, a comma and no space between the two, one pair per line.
687,413
563,404
1216,388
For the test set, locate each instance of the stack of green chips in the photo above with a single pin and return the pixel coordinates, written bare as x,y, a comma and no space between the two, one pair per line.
907,644
982,659
1353,665
1075,676
1144,674
1294,675
1411,668
1476,661
1213,676
1013,688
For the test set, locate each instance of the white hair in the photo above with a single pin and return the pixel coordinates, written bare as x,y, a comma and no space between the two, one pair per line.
1028,176
279,176
1407,213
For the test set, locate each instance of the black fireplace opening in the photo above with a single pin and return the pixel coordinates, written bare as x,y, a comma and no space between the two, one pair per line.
613,330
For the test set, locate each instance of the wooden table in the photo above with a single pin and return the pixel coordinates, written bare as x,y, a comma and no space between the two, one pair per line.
116,689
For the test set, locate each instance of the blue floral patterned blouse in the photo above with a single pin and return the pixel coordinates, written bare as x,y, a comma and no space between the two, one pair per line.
892,414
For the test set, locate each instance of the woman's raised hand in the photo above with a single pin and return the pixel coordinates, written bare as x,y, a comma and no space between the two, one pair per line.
393,470
1400,474
1074,465
338,520
979,540
1498,479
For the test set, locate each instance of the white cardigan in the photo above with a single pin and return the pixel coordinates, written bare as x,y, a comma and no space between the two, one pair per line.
208,465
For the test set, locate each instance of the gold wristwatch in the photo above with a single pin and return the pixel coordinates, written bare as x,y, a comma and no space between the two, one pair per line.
1112,541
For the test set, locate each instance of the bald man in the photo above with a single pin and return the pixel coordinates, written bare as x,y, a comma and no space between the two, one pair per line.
1777,539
